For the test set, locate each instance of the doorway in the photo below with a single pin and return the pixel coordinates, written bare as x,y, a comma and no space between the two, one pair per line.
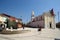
50,25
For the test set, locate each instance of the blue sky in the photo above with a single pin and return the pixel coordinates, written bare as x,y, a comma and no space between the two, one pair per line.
23,8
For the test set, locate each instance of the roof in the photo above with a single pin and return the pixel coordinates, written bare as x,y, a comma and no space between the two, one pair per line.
3,14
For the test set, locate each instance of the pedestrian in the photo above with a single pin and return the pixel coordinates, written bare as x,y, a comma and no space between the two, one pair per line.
39,29
23,27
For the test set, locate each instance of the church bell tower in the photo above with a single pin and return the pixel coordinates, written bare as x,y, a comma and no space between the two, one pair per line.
32,16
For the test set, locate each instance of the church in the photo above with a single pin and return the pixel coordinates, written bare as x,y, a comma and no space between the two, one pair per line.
46,20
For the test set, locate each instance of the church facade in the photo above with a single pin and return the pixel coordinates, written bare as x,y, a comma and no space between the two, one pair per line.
46,20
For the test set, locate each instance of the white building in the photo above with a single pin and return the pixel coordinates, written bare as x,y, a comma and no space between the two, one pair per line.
46,20
2,19
49,19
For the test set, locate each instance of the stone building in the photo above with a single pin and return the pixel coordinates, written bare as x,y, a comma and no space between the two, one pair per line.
46,20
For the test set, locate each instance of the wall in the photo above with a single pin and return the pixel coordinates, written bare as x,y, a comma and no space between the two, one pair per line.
49,19
37,21
3,19
19,25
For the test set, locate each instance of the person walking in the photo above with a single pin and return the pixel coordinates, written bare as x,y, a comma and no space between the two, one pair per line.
39,29
23,27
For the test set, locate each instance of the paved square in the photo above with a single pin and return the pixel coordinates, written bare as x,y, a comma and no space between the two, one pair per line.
34,34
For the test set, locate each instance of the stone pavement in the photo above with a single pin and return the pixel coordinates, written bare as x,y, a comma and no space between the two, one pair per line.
33,34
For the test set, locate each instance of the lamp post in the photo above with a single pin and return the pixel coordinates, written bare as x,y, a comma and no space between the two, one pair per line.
23,23
58,16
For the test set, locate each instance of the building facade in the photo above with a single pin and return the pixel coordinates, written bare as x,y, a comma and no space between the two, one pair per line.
4,17
46,20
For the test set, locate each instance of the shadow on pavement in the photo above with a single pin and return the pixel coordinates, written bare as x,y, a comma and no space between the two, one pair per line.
15,32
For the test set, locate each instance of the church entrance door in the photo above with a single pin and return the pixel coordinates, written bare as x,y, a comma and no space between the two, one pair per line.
50,25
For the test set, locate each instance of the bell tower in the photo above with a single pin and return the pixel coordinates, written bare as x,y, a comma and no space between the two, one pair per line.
32,16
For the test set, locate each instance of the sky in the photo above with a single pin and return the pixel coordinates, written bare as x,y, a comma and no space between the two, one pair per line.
23,8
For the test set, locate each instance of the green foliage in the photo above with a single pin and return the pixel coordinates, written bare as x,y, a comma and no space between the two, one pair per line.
11,24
